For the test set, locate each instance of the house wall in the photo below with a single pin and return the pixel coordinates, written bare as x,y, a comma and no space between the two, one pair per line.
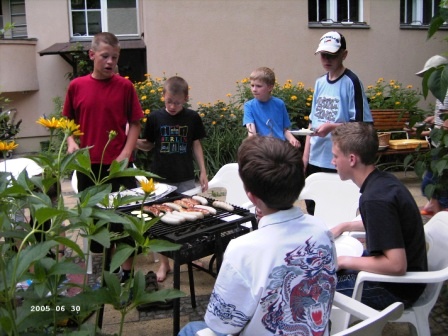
214,43
47,21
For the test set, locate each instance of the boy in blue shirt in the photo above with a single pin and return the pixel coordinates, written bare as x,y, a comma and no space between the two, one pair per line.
338,98
266,115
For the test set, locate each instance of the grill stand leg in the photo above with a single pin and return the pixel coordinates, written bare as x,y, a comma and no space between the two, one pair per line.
176,285
191,281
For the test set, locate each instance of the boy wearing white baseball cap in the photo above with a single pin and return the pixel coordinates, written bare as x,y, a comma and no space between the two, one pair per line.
439,200
338,98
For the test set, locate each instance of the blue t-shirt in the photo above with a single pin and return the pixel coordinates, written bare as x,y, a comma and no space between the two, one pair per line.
339,101
270,118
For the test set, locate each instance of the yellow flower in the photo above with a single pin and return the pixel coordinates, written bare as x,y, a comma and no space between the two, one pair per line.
244,81
293,97
308,104
7,146
213,122
143,98
229,95
152,91
306,117
409,86
147,111
380,80
202,115
397,103
370,87
70,127
147,186
48,123
144,120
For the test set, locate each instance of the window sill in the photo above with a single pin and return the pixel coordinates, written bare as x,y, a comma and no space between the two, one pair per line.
339,25
419,26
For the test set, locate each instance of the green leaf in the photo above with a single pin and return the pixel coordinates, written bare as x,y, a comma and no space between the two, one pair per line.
44,214
435,24
158,245
69,243
441,166
32,254
94,195
122,253
438,82
102,236
66,267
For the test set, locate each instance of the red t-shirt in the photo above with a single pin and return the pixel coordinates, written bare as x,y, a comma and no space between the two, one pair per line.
100,106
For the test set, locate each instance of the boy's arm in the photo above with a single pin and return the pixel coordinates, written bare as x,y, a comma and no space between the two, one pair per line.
251,130
72,146
391,262
291,138
355,225
144,145
199,156
133,133
306,152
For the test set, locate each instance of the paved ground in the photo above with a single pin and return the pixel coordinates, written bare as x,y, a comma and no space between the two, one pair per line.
159,322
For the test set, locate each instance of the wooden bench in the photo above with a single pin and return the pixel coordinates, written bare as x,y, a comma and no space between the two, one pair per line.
394,122
390,120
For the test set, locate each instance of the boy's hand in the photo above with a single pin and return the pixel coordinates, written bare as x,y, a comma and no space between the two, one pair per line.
144,145
295,143
203,180
72,146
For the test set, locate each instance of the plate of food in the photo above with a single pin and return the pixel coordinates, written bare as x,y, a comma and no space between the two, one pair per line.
348,246
303,131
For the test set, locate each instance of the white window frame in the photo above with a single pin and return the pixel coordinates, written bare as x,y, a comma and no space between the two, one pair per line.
417,12
332,12
104,20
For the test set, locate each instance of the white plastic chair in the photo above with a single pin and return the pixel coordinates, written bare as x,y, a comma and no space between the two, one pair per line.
373,321
436,233
16,166
228,177
336,201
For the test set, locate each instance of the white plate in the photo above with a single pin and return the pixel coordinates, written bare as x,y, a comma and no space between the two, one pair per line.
348,246
303,131
161,191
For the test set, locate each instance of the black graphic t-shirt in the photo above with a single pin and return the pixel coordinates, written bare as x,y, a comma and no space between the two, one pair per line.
173,138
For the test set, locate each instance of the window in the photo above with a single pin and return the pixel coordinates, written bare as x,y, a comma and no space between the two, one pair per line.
93,16
418,12
339,12
13,11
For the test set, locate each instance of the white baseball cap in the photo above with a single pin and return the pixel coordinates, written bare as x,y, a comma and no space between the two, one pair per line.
433,62
331,42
